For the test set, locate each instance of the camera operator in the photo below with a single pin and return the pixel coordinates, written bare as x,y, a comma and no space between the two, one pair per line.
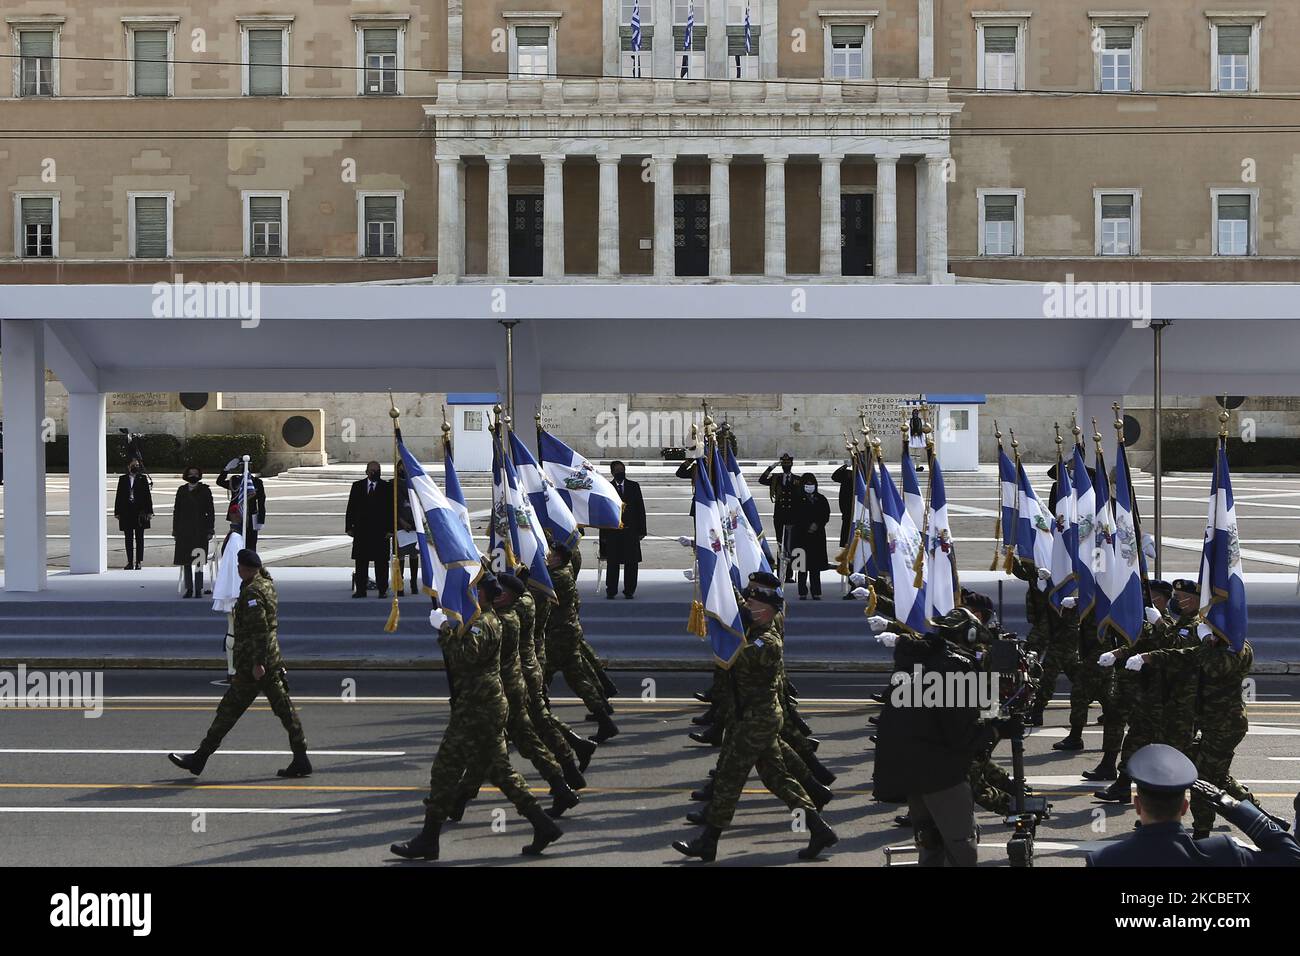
926,751
1163,775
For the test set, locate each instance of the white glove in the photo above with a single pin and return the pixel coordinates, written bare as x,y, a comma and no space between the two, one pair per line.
1154,616
1134,663
1069,602
684,541
1106,660
1044,574
878,623
235,464
860,594
857,580
1149,546
437,619
690,574
888,638
1203,631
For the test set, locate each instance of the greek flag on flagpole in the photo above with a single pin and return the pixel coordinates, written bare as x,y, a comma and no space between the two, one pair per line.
636,26
689,40
747,555
555,517
1065,538
513,516
454,563
1085,512
748,506
912,499
455,496
940,550
1010,484
590,495
1033,526
860,541
713,574
1103,541
1222,586
1122,581
878,560
904,545
749,34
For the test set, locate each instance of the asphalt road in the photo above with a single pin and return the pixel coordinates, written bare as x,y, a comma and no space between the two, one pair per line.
305,520
78,791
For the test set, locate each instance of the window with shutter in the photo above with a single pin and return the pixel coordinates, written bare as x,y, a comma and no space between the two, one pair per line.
150,64
1116,225
742,52
266,63
36,63
1000,225
636,63
848,57
533,48
38,227
380,48
1117,59
381,225
266,224
1234,224
1234,58
1001,49
151,227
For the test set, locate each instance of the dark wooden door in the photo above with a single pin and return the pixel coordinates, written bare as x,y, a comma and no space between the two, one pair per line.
857,235
691,234
526,232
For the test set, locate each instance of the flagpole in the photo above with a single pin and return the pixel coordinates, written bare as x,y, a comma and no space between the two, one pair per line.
1015,527
395,567
997,508
1137,518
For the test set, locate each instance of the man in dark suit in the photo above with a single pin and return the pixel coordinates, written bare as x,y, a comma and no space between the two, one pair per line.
784,489
622,547
133,509
1162,775
369,522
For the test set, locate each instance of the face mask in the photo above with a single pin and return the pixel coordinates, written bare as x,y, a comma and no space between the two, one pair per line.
618,476
192,479
810,488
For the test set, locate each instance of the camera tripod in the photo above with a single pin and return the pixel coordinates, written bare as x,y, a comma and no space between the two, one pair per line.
1026,811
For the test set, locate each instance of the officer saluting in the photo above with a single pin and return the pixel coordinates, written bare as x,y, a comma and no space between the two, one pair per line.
1163,775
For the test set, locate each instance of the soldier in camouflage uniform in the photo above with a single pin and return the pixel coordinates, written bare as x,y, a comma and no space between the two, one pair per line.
590,660
258,669
474,743
1181,674
1090,680
520,731
1132,698
757,680
563,636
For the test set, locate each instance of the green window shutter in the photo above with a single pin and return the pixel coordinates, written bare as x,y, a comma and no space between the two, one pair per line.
265,62
264,208
1234,40
1000,39
38,212
848,35
533,36
999,208
1116,207
37,43
151,62
1234,207
151,227
1119,38
381,41
736,40
381,209
647,39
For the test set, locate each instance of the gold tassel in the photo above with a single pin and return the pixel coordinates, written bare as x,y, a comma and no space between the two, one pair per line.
997,534
396,583
920,571
842,563
871,601
695,623
1009,565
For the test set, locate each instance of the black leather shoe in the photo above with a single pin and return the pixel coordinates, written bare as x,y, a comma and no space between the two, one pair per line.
573,776
545,831
583,747
820,837
704,846
712,736
563,799
423,846
194,762
1121,791
1104,770
820,795
697,817
300,766
605,729
1071,741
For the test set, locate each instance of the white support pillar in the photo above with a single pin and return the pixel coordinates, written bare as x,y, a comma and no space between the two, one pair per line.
22,376
664,239
87,482
498,214
886,265
936,226
451,227
774,217
720,214
553,215
922,214
831,239
608,227
925,38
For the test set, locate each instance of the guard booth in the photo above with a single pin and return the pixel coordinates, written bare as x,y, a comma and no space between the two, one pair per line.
956,430
471,429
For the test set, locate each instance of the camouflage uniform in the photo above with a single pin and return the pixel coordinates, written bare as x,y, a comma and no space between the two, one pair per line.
1147,689
548,726
256,643
754,735
1181,675
474,744
1223,724
1053,636
563,636
519,726
1092,682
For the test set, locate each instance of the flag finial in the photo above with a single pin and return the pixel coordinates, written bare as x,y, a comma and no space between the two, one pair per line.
446,426
1059,440
1223,423
1118,423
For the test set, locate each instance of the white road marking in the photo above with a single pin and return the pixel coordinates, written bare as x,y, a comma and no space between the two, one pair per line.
219,753
190,810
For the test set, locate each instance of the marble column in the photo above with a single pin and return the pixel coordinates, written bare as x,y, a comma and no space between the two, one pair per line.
774,217
451,227
719,214
608,229
886,238
553,215
22,380
664,238
936,227
831,241
498,215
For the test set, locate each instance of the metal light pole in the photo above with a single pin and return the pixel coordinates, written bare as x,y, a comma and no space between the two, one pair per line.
1158,328
510,365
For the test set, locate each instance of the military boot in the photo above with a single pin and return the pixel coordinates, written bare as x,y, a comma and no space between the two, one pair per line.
582,746
820,836
194,762
819,771
545,830
300,766
903,820
820,795
710,716
710,735
605,729
705,792
704,696
698,817
563,796
790,688
573,776
609,688
1121,791
1104,770
704,846
1071,741
1035,718
800,724
424,845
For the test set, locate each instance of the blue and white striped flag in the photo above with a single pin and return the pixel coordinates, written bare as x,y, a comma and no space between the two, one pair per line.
1123,582
912,499
450,562
689,41
713,574
514,526
1223,588
748,506
1103,541
749,33
1065,538
556,519
746,553
1033,526
590,495
1009,484
904,546
1085,512
941,583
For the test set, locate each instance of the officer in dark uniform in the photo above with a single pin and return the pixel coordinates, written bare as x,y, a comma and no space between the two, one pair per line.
784,489
1163,775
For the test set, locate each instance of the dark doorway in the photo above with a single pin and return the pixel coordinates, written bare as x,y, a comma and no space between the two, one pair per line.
691,234
857,234
527,224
